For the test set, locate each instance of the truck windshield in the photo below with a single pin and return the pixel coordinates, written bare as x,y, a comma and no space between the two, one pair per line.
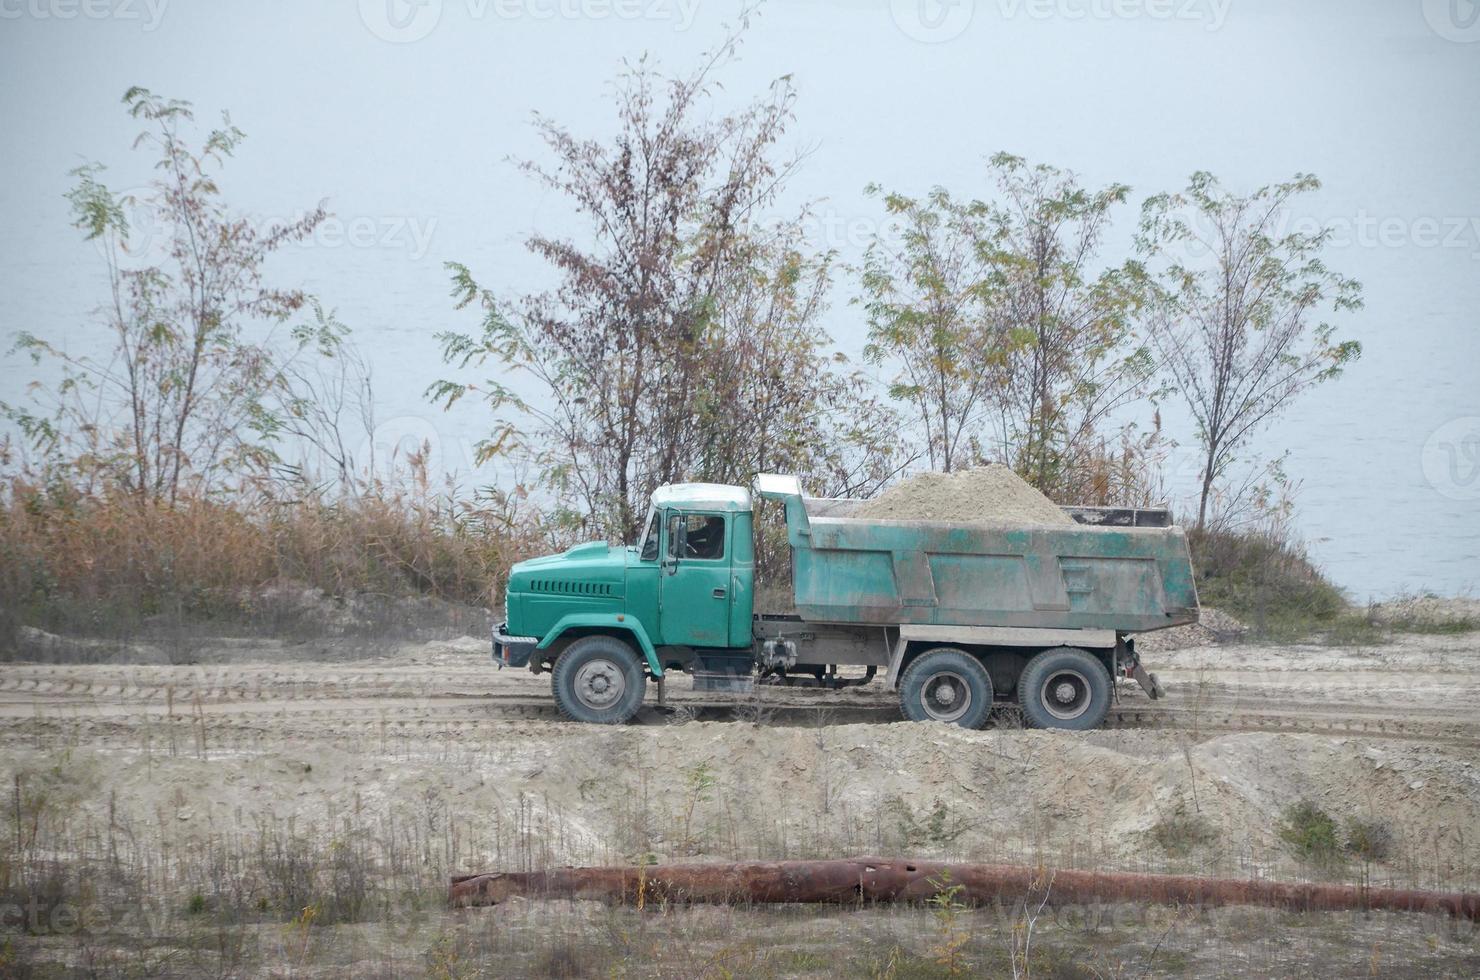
649,550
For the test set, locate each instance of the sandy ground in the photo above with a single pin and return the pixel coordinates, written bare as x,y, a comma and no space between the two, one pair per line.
433,747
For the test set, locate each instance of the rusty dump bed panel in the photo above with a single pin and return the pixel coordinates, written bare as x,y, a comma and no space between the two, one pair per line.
1117,576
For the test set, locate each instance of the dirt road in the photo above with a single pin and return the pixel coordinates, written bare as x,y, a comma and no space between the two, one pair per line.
429,761
1421,688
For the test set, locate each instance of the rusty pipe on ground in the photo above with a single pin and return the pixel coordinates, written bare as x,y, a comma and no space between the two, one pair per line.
861,880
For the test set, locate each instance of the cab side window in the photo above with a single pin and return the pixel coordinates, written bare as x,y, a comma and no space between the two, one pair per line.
696,536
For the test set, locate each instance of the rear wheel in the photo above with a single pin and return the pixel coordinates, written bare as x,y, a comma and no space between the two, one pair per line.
598,679
1064,688
947,685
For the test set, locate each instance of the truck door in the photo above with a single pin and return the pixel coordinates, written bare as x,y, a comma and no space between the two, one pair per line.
694,583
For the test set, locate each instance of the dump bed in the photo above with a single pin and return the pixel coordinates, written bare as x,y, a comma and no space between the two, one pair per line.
1082,576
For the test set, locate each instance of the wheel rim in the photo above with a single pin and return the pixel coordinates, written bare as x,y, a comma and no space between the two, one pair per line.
945,696
599,684
1065,695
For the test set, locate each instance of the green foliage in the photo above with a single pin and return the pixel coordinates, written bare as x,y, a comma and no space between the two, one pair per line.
699,783
922,292
1074,359
187,390
1264,580
939,828
951,938
681,342
1004,339
1311,833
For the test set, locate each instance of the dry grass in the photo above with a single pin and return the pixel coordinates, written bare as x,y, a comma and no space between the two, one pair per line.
109,564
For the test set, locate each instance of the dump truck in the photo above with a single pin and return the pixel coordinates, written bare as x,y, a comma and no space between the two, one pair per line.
960,617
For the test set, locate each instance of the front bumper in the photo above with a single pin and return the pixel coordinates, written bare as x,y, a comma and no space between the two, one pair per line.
512,651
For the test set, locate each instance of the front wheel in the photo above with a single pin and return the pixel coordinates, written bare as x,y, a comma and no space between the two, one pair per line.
946,685
598,679
1064,688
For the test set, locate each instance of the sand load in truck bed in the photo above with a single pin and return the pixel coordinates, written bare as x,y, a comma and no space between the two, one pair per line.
984,495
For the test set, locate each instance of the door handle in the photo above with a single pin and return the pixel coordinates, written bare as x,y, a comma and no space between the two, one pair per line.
719,593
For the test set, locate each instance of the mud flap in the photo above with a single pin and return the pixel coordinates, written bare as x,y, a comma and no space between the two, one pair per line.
1128,664
1148,682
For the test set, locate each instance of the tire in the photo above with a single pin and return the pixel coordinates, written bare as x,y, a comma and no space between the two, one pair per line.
947,685
1064,688
599,680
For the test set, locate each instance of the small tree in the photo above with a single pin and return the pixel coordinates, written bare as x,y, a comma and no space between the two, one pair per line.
922,291
1071,358
779,399
185,388
1235,319
680,339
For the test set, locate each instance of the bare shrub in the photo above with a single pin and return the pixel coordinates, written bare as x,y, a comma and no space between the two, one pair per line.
1179,833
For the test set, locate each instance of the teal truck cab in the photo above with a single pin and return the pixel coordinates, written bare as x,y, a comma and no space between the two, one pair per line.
960,616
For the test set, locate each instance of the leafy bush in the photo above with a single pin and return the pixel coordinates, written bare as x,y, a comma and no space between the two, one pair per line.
1267,581
1311,833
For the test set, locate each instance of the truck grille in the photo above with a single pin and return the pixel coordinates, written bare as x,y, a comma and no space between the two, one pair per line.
570,588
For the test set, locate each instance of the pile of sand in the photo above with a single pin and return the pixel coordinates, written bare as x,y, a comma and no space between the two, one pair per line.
1213,626
984,495
903,788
